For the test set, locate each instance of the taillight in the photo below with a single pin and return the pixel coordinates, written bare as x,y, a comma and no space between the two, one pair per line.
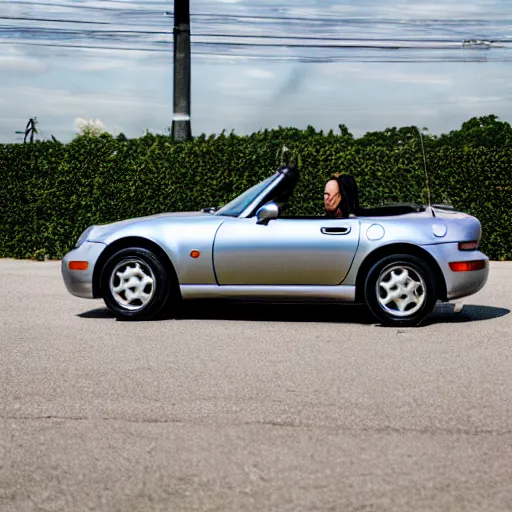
468,246
467,266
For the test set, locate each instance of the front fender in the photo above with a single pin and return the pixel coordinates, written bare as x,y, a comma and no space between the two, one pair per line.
178,239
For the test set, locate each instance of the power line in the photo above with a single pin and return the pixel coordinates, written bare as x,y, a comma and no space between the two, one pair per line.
499,19
310,59
49,20
343,42
83,46
70,6
240,41
330,46
331,19
356,20
8,28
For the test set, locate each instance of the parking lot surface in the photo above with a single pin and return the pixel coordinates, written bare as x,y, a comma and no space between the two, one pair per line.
251,407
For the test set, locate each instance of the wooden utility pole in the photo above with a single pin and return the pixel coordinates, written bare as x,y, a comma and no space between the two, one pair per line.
181,129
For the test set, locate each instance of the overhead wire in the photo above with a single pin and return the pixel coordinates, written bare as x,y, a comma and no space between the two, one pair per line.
295,19
237,41
169,12
300,58
9,28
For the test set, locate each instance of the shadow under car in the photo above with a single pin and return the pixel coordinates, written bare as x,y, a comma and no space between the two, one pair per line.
324,313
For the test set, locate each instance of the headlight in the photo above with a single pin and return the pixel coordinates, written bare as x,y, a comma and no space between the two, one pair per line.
83,237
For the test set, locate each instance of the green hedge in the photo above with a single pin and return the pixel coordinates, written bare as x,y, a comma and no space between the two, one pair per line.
52,191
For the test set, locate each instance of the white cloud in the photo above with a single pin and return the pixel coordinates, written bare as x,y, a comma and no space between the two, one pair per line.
341,70
436,9
260,73
61,111
475,100
337,74
14,60
104,64
80,124
61,100
413,78
20,64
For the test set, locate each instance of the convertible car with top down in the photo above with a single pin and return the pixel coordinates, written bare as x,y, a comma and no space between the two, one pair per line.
398,260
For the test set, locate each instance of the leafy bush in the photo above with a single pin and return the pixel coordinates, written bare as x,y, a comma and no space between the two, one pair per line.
52,191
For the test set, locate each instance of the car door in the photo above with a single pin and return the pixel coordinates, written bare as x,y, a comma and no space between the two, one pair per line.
292,251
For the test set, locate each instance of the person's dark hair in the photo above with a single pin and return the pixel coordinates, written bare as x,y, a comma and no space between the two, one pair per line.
349,203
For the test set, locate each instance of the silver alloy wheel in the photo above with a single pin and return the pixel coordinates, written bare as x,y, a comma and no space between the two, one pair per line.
401,290
132,284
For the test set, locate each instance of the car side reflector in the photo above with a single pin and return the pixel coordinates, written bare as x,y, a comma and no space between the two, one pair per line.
78,265
467,266
468,246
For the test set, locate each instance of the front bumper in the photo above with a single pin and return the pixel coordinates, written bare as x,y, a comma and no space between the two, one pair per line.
459,284
79,282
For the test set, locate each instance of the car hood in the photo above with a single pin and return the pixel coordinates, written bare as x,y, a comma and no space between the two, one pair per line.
101,232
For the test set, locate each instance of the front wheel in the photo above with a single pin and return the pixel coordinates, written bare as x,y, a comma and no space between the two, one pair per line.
400,290
135,284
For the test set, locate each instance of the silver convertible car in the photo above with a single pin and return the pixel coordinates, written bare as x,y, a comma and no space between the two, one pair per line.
399,260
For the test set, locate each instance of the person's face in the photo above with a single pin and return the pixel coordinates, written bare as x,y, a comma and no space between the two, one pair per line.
332,195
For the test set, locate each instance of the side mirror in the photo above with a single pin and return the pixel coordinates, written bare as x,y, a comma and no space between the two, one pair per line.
266,213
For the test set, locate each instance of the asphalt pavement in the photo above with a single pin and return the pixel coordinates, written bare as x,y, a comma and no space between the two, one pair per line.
251,407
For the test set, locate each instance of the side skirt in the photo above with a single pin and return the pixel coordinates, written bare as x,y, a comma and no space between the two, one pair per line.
257,292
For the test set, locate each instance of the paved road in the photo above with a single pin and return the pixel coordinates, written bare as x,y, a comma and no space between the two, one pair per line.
286,408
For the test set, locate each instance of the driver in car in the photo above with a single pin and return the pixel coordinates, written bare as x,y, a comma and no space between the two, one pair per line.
340,197
332,198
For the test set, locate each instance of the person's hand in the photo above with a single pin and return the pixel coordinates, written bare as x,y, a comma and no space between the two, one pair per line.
332,196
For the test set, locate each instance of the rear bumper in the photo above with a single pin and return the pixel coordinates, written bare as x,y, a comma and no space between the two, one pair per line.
79,282
459,284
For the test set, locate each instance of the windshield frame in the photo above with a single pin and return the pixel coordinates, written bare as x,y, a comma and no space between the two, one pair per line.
244,204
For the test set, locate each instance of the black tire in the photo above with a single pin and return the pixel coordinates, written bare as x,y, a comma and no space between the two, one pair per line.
151,290
422,299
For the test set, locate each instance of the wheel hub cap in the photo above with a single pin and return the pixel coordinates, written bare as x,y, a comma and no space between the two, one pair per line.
401,291
132,284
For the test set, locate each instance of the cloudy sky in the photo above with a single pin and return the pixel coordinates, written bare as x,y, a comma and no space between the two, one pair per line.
256,64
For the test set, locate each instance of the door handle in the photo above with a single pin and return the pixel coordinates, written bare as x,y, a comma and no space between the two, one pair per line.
335,231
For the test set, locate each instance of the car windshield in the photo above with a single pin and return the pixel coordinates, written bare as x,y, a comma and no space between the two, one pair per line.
241,202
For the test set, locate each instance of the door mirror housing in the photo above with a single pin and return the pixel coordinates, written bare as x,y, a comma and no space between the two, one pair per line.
266,213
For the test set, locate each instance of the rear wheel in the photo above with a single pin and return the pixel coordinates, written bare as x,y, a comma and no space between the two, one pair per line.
135,284
400,290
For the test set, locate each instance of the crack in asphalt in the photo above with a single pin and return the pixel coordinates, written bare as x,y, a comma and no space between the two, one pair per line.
285,424
86,418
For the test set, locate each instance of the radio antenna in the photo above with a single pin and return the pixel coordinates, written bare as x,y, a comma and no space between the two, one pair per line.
426,170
